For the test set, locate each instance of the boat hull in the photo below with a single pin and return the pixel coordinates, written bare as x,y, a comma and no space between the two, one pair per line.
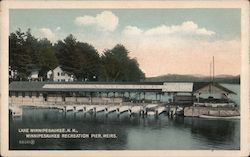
219,117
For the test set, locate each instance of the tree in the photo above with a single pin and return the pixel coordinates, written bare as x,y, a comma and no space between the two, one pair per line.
77,58
31,47
19,55
66,54
27,53
90,61
118,66
47,57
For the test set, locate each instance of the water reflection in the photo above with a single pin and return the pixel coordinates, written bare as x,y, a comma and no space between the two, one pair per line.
219,131
134,132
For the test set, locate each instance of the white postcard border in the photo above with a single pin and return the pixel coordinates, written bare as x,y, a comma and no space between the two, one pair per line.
245,110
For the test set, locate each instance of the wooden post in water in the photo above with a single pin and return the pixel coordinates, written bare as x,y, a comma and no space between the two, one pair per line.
144,96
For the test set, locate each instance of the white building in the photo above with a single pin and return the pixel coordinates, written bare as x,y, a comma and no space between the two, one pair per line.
33,75
12,73
50,75
58,75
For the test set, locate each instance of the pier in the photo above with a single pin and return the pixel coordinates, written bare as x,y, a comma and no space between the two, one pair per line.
144,98
142,109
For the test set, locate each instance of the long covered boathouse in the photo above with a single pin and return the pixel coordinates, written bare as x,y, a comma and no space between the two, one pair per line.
104,93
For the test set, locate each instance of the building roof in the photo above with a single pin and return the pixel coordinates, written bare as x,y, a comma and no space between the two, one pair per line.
177,87
199,85
84,86
113,86
25,86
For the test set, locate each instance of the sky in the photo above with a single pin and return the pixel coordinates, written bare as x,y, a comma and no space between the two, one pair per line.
164,41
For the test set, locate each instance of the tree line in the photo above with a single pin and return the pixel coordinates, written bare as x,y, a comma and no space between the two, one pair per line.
26,53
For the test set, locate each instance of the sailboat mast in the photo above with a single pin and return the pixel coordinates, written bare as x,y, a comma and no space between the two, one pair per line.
210,74
213,69
210,78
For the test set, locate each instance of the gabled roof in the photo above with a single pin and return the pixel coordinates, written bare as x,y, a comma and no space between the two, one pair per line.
60,67
199,85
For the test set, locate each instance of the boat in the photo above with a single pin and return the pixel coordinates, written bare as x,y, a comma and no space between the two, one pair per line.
179,111
219,117
150,113
16,113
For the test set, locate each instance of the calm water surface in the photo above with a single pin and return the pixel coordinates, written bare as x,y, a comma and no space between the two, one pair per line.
136,133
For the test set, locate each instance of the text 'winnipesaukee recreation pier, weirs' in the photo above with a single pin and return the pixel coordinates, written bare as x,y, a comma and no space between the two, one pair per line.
198,99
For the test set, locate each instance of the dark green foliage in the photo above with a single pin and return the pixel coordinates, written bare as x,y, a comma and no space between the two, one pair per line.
20,52
118,66
47,58
79,59
82,60
27,53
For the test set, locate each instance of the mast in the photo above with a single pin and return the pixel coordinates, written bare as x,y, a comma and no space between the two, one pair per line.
213,69
210,78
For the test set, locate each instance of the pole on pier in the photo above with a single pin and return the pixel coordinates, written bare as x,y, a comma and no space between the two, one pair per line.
139,96
160,96
90,97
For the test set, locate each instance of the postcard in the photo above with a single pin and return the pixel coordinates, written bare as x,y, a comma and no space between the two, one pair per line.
125,78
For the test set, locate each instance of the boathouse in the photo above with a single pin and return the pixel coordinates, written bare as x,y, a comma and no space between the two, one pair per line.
40,93
213,95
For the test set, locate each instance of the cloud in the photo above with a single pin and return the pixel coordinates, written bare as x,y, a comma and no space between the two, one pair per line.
132,30
47,33
186,28
58,29
106,21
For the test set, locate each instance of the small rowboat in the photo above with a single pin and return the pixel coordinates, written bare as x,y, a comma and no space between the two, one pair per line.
219,117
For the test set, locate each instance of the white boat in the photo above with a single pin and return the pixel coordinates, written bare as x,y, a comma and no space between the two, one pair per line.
16,111
219,117
151,113
179,111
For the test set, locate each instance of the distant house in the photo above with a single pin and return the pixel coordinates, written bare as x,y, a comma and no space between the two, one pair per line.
58,75
34,72
34,75
12,73
50,75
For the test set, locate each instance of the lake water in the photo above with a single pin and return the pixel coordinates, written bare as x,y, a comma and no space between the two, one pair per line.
131,132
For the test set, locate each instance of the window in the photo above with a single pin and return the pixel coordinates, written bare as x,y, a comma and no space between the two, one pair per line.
63,80
58,74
